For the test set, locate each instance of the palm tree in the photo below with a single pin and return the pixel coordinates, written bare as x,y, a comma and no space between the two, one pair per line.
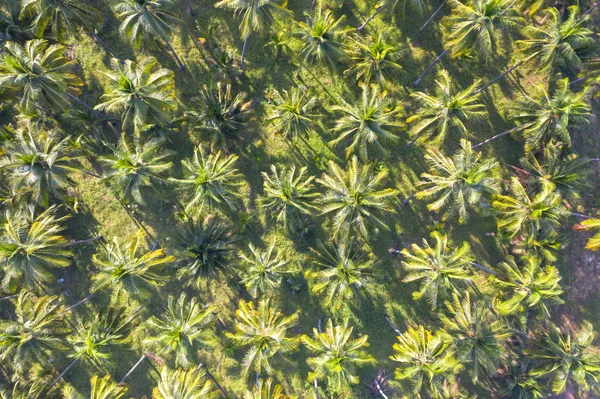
255,15
425,359
353,197
558,42
538,217
288,195
548,117
135,167
266,390
212,177
30,245
40,74
526,286
106,388
121,270
441,267
218,115
264,329
567,357
593,224
367,124
181,330
477,335
336,355
418,6
473,25
36,333
343,269
144,19
445,111
39,166
373,60
262,271
292,113
183,384
458,182
206,247
12,27
141,94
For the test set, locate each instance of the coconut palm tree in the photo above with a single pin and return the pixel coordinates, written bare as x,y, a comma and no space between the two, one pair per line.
441,268
592,224
39,166
266,390
123,271
445,111
418,6
366,124
335,355
106,388
559,42
288,195
264,330
262,271
31,245
426,359
206,248
540,216
567,358
213,177
148,19
547,117
255,14
354,197
292,113
35,335
458,182
135,167
41,76
373,59
181,329
141,94
183,384
12,27
527,285
472,25
477,335
218,115
344,268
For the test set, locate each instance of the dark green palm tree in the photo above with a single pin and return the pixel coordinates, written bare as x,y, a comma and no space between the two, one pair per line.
181,329
264,330
35,335
293,113
135,167
218,115
40,74
442,268
426,360
212,177
266,390
12,27
141,94
262,271
354,197
547,117
206,248
526,286
463,181
39,166
123,272
343,270
183,384
148,19
31,245
567,358
366,124
477,335
445,111
335,355
288,195
373,59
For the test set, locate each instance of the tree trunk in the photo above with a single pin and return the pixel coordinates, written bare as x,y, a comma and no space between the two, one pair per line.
133,368
509,70
481,267
177,60
316,388
84,300
244,51
592,8
9,297
495,137
407,200
418,81
435,13
580,215
377,11
379,390
61,375
389,321
84,104
104,45
80,242
213,379
312,7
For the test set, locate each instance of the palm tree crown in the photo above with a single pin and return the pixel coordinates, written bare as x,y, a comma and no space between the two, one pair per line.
321,35
373,60
266,390
183,384
292,113
142,19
